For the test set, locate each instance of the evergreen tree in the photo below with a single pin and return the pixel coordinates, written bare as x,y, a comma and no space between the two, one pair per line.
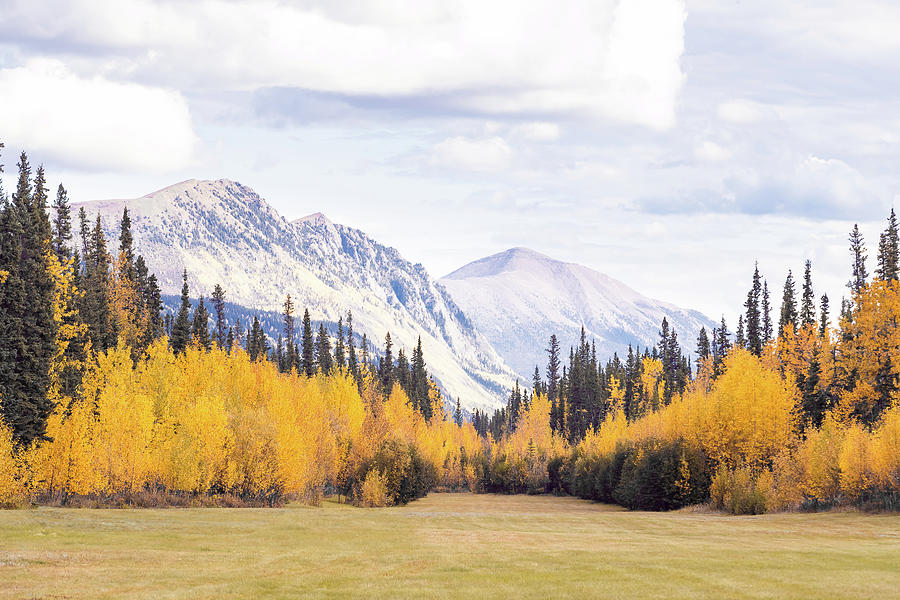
858,252
340,357
823,316
889,250
386,366
323,351
813,400
62,225
308,353
703,348
420,382
457,414
218,302
200,327
739,340
537,384
126,247
788,306
229,340
721,347
766,315
27,326
292,361
808,302
181,329
97,284
352,366
553,369
753,322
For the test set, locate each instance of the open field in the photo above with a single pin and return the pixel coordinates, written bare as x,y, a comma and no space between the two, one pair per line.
445,545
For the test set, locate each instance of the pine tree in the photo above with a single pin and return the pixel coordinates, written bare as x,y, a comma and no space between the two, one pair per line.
721,347
766,315
126,247
739,340
200,327
324,359
808,302
288,331
340,358
62,225
753,323
352,366
457,414
537,384
553,369
703,349
308,353
386,367
153,306
788,306
889,250
218,302
229,340
97,284
858,252
420,383
181,329
823,316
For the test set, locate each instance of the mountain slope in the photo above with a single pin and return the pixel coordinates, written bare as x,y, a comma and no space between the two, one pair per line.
519,297
223,232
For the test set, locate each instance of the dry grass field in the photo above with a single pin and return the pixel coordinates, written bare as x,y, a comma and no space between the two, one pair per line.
445,546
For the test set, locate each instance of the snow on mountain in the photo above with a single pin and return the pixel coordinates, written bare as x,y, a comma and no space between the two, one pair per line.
519,297
223,232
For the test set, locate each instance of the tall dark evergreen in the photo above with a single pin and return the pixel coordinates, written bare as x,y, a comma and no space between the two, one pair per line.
553,382
218,302
181,328
420,384
703,347
126,247
97,284
859,273
324,359
823,316
200,326
457,414
288,331
352,365
721,344
386,366
889,251
62,225
27,326
808,301
753,322
340,356
153,306
766,307
739,340
257,345
788,306
308,352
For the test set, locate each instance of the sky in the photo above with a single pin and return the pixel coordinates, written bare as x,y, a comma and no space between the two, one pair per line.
668,143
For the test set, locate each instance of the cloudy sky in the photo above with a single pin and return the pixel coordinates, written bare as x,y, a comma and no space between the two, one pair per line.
667,143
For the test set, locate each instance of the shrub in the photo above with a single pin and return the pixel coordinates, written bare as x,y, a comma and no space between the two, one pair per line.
738,492
659,475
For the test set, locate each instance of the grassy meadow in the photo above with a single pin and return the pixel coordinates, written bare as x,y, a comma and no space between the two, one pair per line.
446,546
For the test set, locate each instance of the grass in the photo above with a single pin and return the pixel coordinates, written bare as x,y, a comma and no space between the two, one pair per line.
445,546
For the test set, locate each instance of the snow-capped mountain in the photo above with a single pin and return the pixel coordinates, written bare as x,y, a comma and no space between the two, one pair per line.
519,297
223,232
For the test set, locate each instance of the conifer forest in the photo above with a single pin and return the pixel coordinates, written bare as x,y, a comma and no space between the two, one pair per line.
107,399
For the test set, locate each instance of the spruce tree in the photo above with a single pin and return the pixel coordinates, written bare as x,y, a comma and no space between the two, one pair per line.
308,352
823,316
858,262
457,414
753,321
808,302
218,302
739,340
62,225
200,327
420,382
324,360
288,331
553,369
153,306
788,316
889,250
352,366
181,329
766,315
340,357
97,283
126,247
386,366
703,350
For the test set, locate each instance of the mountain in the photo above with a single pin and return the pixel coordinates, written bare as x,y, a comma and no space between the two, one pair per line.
519,297
223,232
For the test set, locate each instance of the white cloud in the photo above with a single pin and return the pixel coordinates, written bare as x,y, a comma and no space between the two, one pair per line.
537,131
604,59
484,155
741,111
712,152
47,110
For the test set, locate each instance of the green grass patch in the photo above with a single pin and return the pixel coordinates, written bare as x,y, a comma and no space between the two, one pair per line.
445,546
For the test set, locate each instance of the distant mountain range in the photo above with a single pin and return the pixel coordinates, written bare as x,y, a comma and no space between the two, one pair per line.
223,232
519,297
482,326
